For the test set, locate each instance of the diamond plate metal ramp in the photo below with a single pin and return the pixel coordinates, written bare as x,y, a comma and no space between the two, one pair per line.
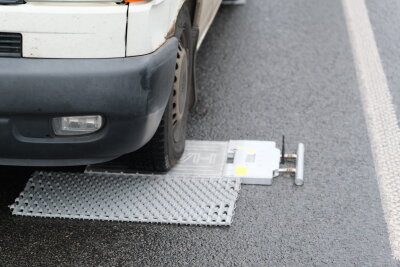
129,197
201,189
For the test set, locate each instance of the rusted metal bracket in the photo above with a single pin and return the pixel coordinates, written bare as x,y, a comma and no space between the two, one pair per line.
298,159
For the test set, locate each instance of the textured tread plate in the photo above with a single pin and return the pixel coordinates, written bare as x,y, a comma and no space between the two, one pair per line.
129,197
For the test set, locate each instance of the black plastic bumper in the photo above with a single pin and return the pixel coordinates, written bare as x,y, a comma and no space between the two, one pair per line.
130,93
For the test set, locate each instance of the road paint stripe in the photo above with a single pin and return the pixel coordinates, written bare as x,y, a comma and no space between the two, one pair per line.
383,128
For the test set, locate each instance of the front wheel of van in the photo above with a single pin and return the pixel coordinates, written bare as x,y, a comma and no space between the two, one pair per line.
164,150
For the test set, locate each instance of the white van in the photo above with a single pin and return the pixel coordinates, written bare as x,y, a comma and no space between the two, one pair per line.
84,82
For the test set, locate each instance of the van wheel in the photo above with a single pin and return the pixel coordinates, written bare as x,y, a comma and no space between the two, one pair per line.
166,147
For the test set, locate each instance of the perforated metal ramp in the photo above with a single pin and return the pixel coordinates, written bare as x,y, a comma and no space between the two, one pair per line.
201,189
129,197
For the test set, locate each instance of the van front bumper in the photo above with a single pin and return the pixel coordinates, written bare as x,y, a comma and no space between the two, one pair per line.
130,93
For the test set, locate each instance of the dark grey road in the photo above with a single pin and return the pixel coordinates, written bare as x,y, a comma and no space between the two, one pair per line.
270,68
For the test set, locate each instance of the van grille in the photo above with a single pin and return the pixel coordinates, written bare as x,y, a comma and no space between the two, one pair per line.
11,2
10,44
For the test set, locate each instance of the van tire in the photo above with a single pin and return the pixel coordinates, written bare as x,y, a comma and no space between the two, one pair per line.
166,147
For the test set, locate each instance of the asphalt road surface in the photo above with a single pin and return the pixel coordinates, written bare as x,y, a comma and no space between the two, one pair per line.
265,69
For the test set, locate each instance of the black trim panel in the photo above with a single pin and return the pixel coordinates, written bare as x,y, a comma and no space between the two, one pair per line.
130,93
10,44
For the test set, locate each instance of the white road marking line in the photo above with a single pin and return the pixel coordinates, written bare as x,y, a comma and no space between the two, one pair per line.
380,114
